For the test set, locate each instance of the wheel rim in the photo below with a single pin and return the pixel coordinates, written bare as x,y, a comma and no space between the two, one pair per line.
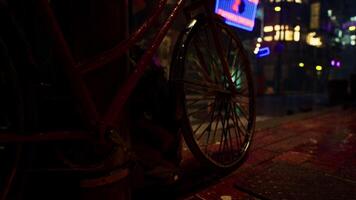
220,115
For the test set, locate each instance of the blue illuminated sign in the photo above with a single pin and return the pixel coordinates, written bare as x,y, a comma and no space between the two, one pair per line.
263,52
238,13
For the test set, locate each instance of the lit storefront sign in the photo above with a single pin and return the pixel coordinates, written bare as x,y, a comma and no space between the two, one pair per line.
281,33
238,13
290,1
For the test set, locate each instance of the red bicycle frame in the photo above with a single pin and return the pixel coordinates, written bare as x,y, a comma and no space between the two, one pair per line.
76,72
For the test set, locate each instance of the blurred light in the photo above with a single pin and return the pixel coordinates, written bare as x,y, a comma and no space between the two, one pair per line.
245,20
333,63
330,13
313,40
301,64
353,43
277,27
298,1
258,45
259,39
296,36
276,36
353,37
277,8
263,52
297,28
338,64
268,29
289,35
319,68
352,28
268,38
339,33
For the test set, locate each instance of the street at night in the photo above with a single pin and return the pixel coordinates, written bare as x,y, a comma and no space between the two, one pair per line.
178,99
306,156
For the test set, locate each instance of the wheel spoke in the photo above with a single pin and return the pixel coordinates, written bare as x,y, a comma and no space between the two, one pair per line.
200,109
217,88
202,64
204,98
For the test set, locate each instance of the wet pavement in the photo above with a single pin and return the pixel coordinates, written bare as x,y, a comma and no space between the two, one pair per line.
306,156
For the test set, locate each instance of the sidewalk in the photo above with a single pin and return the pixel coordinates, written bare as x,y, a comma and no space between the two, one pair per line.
270,106
303,156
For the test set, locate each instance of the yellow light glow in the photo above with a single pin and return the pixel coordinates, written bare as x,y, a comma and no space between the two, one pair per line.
288,35
301,64
297,28
319,68
268,38
277,36
258,45
352,28
259,39
296,36
277,27
277,8
282,35
268,29
298,1
313,40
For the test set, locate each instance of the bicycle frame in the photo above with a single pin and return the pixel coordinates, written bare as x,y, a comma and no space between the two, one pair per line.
109,120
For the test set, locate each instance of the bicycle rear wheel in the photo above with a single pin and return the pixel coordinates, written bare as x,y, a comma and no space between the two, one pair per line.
218,114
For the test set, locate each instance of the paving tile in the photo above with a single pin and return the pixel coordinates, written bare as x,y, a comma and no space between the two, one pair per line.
258,156
286,181
312,158
287,144
293,157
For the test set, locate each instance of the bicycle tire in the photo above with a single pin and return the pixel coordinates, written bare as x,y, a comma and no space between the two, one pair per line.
210,86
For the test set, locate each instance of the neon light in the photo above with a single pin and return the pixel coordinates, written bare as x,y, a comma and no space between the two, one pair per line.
301,64
333,63
236,5
277,8
238,13
319,68
263,52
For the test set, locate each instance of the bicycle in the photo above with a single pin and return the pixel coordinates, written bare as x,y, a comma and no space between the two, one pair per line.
213,90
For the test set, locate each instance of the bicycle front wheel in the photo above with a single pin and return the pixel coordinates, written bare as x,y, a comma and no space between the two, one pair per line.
219,108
